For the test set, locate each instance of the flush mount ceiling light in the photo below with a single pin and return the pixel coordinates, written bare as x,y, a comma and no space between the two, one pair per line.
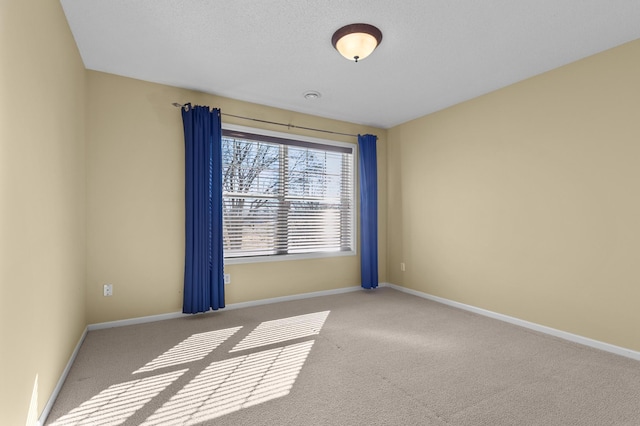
356,41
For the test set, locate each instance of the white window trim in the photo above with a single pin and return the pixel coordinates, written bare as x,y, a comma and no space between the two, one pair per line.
354,215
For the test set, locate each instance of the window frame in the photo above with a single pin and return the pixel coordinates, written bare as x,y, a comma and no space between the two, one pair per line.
305,141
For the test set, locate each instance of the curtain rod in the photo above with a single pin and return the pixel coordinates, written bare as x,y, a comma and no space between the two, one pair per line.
177,105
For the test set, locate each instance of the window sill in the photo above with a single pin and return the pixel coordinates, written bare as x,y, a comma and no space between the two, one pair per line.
286,257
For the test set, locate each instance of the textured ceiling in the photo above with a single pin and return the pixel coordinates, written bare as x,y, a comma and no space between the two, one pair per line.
434,54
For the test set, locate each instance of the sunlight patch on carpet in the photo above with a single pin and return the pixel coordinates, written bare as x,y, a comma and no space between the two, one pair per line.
117,403
194,348
233,384
281,330
221,388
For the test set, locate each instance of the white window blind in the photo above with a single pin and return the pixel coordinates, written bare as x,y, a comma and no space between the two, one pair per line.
284,196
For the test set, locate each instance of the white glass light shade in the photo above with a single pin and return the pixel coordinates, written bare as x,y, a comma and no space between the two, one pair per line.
356,46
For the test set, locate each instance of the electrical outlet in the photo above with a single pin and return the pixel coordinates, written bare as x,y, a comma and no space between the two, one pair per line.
108,290
402,268
227,278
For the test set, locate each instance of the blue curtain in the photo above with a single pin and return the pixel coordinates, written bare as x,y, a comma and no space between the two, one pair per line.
204,262
368,210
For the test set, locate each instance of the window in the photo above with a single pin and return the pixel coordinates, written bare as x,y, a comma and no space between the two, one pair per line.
286,196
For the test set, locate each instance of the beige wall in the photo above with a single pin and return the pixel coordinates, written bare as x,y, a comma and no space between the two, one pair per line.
135,202
42,198
525,201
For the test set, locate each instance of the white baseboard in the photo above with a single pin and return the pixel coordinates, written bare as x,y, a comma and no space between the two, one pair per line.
172,315
132,321
47,408
618,350
293,297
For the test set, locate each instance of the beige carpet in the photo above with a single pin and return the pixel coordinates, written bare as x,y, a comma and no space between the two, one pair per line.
377,357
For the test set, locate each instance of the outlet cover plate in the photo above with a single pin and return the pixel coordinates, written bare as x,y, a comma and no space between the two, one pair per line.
108,290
